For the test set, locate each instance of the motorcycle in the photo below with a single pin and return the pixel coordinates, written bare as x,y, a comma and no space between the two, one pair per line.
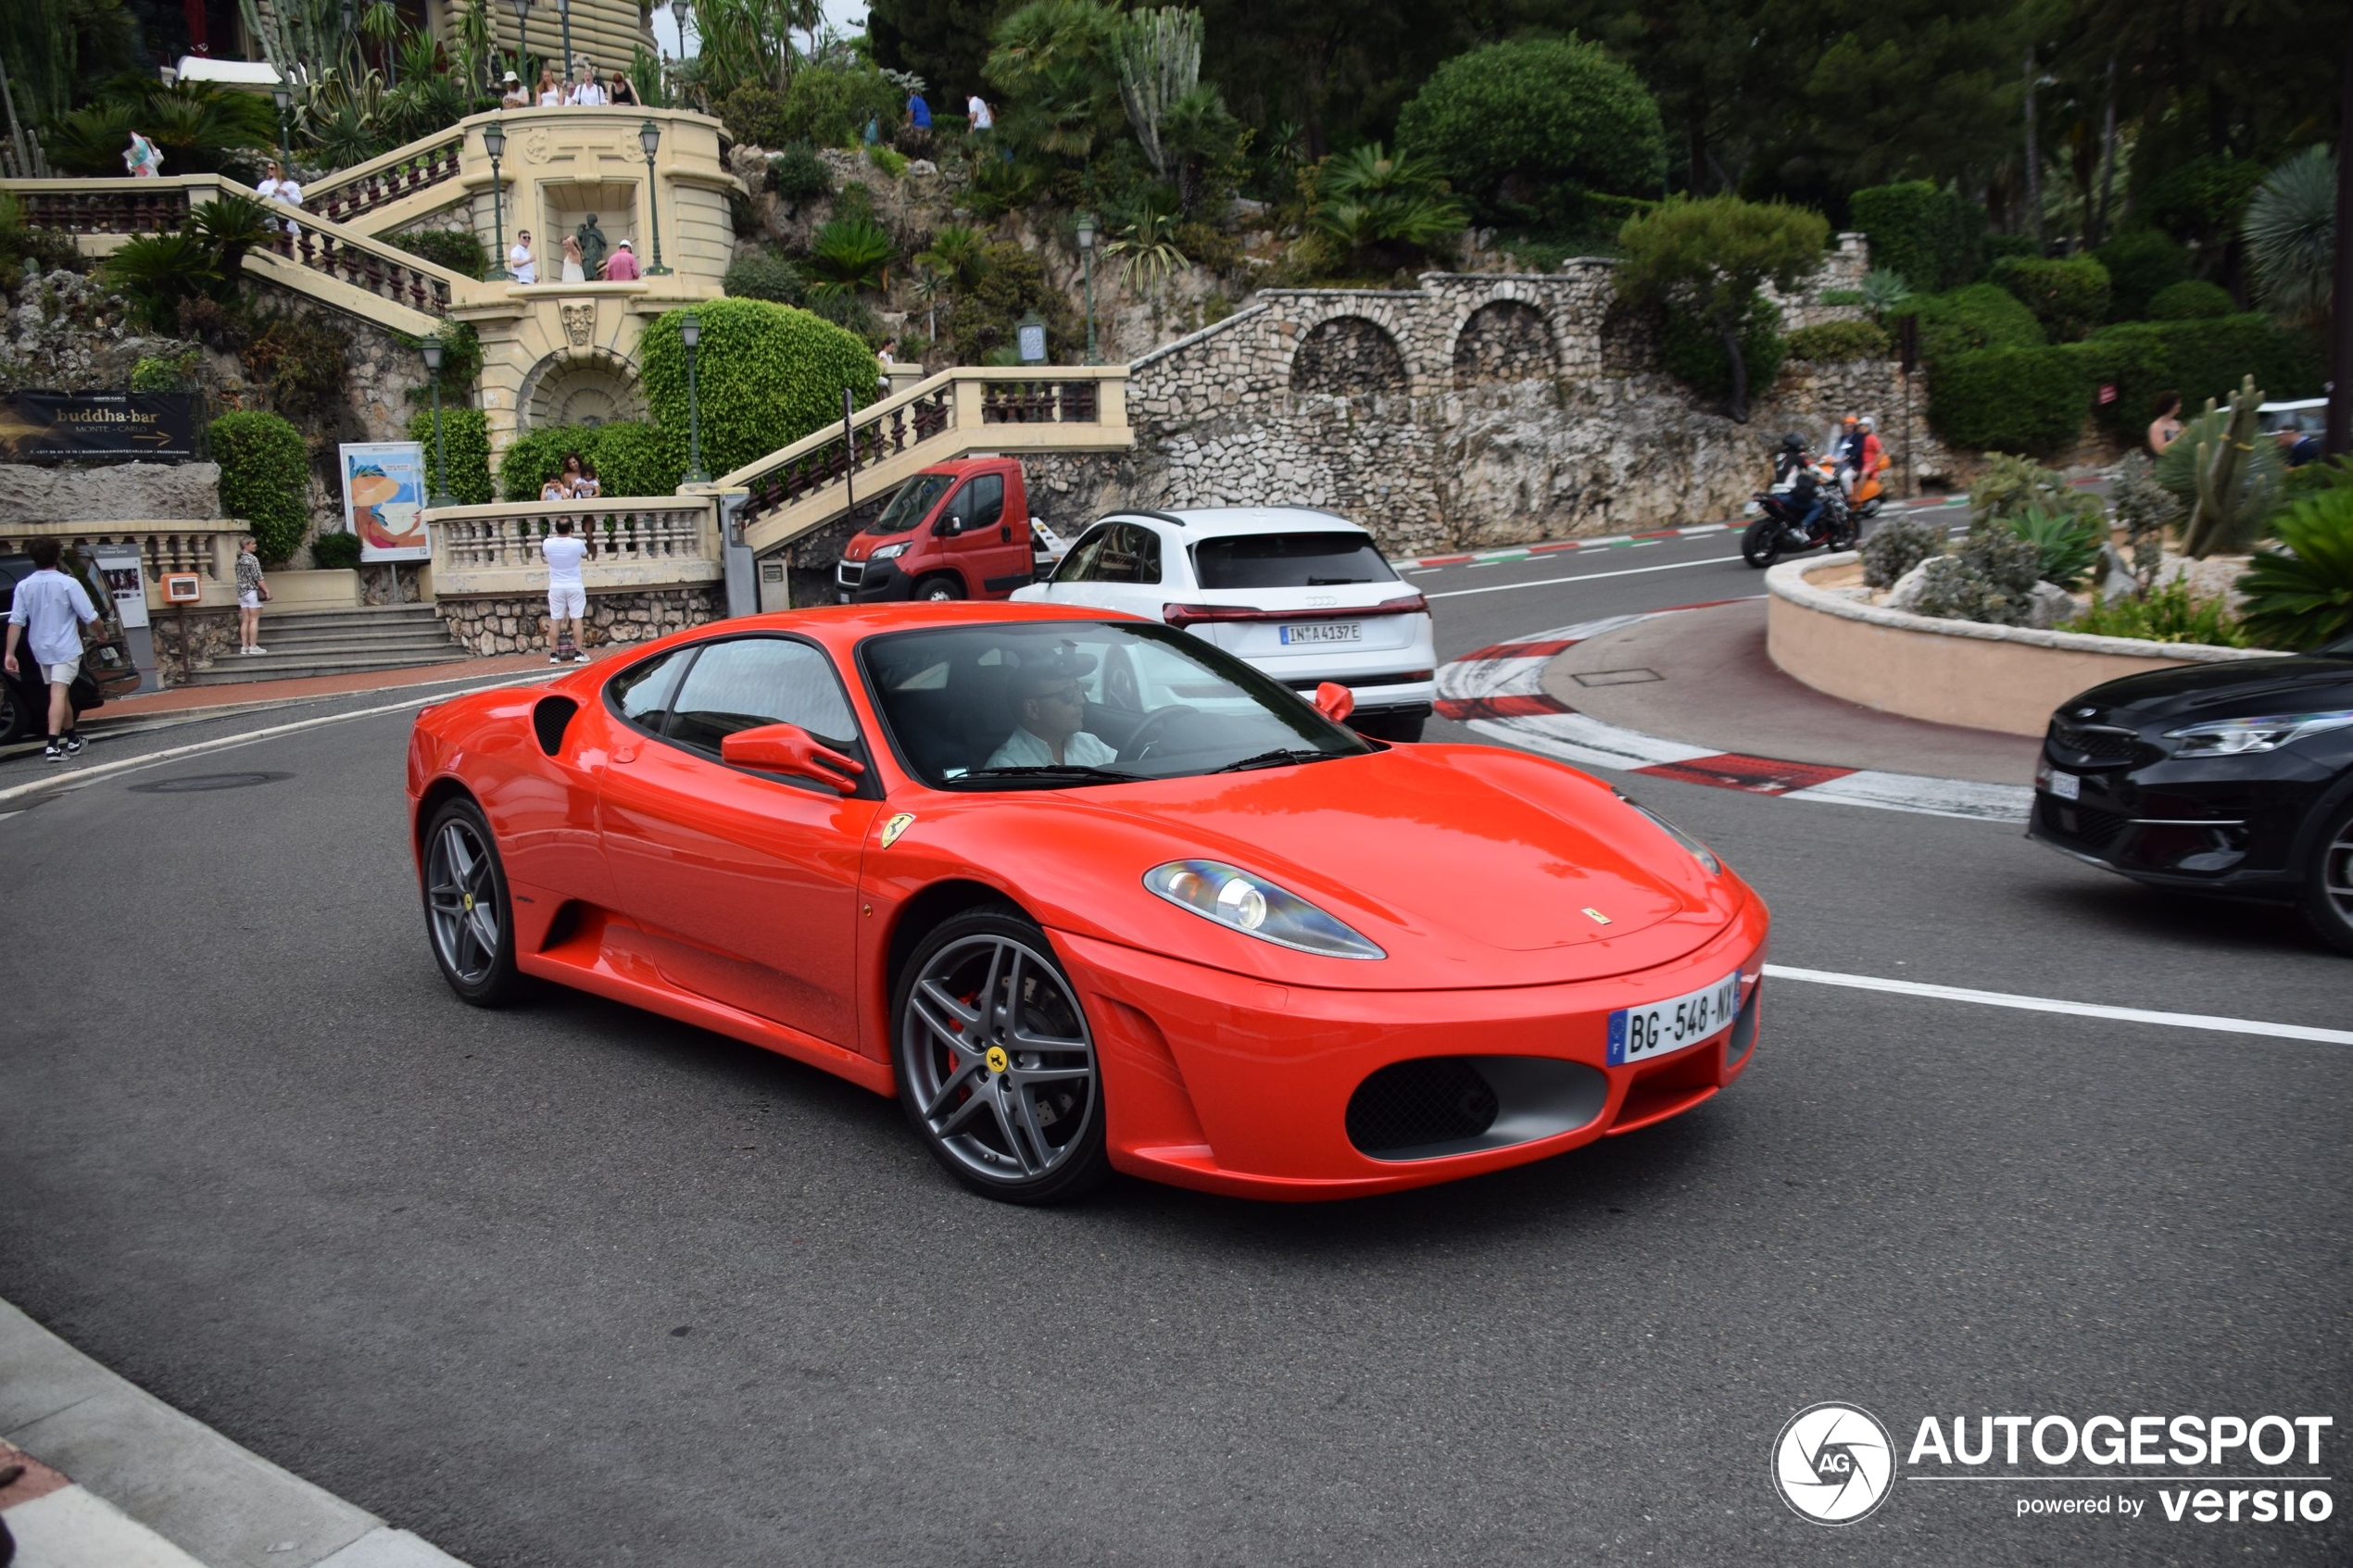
1776,531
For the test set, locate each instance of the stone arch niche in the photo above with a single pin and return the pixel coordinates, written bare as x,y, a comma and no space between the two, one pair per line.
1348,355
587,389
1505,340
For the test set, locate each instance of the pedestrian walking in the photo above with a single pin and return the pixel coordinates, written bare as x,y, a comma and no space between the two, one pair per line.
2167,427
520,265
47,618
143,158
978,111
567,593
918,121
252,592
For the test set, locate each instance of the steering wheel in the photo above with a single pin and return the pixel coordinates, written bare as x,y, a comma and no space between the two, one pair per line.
1147,734
1119,680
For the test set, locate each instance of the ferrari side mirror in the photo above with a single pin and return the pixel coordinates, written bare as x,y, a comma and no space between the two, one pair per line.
789,748
1335,701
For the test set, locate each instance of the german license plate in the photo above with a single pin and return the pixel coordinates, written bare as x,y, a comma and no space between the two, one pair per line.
2067,786
1326,631
1664,1028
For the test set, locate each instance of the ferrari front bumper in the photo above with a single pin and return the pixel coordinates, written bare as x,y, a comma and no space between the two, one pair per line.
1220,1082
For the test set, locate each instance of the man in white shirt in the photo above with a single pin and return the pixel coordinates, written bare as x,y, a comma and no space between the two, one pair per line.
976,111
1049,709
47,615
567,595
589,93
520,264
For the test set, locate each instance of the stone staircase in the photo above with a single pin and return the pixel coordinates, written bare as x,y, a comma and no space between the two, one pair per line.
338,642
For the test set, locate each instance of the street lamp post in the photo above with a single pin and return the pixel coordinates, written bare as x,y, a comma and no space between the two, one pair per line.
649,138
563,10
690,334
494,142
284,97
439,495
682,12
522,42
1087,258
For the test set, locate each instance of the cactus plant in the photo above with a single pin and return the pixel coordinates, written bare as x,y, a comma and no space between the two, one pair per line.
2235,489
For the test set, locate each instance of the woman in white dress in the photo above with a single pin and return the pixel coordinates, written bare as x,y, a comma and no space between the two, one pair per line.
573,272
551,91
280,187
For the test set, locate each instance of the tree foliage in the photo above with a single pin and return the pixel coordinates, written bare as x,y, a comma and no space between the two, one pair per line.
2290,233
265,479
767,375
465,446
2301,595
1711,256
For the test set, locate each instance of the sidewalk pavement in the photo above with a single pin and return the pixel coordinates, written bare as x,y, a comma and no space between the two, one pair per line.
116,1479
269,694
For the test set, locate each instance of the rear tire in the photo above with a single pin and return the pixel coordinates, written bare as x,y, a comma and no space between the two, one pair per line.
939,587
1761,545
995,1063
468,919
2328,884
15,722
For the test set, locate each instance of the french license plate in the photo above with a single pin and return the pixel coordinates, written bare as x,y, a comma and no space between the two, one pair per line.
2067,786
1662,1028
1326,631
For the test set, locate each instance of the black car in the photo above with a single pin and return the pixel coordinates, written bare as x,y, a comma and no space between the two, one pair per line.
2235,779
107,668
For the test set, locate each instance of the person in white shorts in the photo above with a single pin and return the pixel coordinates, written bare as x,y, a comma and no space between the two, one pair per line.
567,593
48,613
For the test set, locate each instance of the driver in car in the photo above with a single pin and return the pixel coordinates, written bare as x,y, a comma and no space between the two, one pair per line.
1049,709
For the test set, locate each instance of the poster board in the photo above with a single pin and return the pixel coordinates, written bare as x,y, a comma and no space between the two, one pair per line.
384,498
49,427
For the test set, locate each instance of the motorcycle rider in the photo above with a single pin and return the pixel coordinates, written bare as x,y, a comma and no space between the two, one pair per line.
1794,466
1873,455
1789,458
1848,452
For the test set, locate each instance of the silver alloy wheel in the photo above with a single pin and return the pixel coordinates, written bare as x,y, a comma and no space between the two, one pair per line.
2336,873
939,592
462,896
1003,1065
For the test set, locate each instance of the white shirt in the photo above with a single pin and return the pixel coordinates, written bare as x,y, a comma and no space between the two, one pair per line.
978,112
1023,749
52,608
520,266
589,95
553,98
563,552
285,191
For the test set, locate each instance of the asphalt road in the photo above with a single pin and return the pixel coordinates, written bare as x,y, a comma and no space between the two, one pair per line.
573,1285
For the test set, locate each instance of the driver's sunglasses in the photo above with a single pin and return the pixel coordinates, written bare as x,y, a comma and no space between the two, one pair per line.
1062,694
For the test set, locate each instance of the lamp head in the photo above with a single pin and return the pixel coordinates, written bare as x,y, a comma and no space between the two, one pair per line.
494,142
689,330
284,95
432,347
649,138
1085,230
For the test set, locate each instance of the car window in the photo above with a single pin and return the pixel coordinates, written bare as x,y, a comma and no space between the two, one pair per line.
1290,560
641,693
747,682
1081,559
983,502
914,500
1130,554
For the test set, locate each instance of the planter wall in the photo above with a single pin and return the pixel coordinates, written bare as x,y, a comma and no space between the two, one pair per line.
2006,678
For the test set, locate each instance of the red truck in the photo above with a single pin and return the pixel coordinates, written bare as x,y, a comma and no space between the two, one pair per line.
955,531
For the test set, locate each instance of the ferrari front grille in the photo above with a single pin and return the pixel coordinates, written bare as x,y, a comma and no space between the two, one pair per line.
1439,1100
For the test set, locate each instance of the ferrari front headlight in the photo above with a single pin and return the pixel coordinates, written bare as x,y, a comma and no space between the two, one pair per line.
1700,852
2236,737
1240,901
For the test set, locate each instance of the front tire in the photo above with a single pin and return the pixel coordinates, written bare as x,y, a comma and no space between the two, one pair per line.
997,1067
469,918
16,722
1761,545
2328,885
940,588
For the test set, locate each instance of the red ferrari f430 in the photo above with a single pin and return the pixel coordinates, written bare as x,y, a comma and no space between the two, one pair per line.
1087,893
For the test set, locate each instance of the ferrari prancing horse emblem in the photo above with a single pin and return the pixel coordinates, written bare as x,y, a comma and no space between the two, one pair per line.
996,1059
896,825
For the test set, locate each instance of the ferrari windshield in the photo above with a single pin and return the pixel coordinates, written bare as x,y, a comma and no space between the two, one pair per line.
1052,703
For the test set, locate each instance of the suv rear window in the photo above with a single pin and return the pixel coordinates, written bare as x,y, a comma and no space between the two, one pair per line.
1290,560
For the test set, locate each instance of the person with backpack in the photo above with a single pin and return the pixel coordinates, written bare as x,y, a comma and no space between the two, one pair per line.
47,616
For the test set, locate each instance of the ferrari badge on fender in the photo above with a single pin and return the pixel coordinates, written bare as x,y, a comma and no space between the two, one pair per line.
896,825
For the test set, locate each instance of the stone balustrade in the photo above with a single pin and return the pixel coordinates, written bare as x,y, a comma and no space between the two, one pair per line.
204,545
636,542
349,193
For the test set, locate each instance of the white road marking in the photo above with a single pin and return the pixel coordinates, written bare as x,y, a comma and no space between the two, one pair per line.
196,748
1585,577
2050,1004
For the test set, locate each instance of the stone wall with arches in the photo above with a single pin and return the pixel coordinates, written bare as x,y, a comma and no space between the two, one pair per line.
1474,410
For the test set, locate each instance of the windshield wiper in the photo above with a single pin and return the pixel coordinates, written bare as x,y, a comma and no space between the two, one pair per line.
1278,757
1071,772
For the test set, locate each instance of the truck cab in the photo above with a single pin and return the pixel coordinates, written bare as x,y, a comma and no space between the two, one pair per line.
954,530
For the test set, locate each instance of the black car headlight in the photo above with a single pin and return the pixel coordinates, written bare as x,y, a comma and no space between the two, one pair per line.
1256,906
2236,737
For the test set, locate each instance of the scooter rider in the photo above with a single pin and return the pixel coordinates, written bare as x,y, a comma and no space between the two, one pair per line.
1849,455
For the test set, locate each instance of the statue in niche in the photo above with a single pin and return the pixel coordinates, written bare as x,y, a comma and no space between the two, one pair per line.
592,247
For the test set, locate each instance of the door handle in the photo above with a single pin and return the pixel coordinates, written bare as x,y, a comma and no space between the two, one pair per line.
1006,534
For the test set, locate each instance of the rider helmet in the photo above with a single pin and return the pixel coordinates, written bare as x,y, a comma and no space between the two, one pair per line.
1865,423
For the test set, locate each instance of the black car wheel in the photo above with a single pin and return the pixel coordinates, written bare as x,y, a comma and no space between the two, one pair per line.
15,722
1761,545
996,1065
940,588
468,914
2328,885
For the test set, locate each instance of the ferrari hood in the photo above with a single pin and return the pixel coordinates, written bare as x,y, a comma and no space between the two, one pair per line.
1467,865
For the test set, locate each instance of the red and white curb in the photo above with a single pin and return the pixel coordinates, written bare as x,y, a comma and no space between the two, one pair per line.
1498,691
1622,541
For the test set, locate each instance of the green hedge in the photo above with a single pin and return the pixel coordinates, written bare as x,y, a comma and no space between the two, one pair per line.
2191,301
465,444
1840,340
2197,359
2029,400
768,375
265,479
1980,316
453,248
2142,263
1927,233
2067,298
628,455
766,275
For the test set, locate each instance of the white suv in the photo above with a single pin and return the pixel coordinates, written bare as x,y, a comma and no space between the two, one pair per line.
1304,595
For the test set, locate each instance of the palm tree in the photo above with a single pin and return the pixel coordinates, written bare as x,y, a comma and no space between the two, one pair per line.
850,254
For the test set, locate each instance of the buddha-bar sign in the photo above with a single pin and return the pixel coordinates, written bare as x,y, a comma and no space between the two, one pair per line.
98,427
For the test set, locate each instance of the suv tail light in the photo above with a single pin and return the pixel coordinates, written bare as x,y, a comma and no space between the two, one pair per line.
1188,615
